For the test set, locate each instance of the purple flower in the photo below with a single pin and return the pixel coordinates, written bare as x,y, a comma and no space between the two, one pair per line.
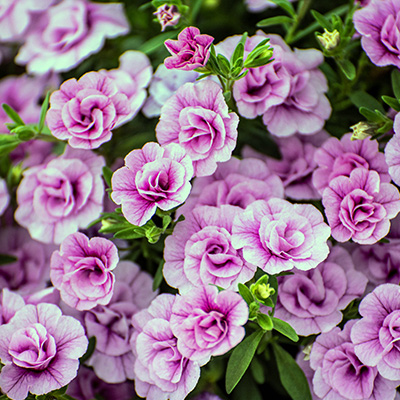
131,78
113,359
82,270
376,335
153,177
199,252
4,196
10,303
379,25
392,152
40,349
161,372
339,157
207,322
310,301
68,33
279,236
57,198
167,15
340,374
85,111
190,51
197,117
360,207
259,5
207,396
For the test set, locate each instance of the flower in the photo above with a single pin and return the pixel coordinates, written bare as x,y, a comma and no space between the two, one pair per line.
68,33
81,270
154,345
310,301
197,117
279,236
40,349
379,23
329,40
4,196
10,303
259,5
167,15
392,150
376,335
85,111
360,207
58,197
199,252
190,51
153,177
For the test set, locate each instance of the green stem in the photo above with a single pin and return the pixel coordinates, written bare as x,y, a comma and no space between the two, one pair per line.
301,12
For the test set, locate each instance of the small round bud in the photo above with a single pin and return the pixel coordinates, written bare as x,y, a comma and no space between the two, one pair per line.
329,40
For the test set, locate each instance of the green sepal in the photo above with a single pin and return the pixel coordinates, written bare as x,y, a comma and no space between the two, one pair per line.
285,329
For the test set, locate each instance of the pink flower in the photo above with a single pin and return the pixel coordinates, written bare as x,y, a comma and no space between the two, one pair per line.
207,322
197,117
81,270
379,25
279,236
167,15
259,5
40,349
190,51
152,177
4,196
392,152
85,111
10,303
57,198
68,33
360,207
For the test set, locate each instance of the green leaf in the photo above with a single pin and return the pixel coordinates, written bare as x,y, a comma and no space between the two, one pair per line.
7,259
363,99
129,234
291,375
24,133
8,148
89,351
347,68
322,20
107,174
371,115
43,111
240,359
285,5
223,64
392,102
396,83
6,139
158,277
274,283
245,293
285,329
239,50
12,114
257,371
279,20
154,43
265,322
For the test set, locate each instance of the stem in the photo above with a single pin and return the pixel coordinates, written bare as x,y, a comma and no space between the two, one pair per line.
301,12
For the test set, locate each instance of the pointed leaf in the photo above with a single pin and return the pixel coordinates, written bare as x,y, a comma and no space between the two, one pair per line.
89,351
265,322
129,233
322,20
285,5
279,20
12,114
285,329
245,293
155,42
348,69
43,112
363,99
396,83
158,277
7,259
107,174
392,102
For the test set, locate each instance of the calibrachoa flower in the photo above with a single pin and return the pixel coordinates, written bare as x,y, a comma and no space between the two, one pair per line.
10,303
279,236
360,207
207,322
40,349
310,301
340,374
57,198
190,51
68,33
85,111
82,270
113,360
152,177
4,196
392,151
376,335
339,157
259,5
154,345
197,117
167,15
379,24
199,252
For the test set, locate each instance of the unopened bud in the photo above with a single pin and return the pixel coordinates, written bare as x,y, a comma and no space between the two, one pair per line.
329,40
362,130
167,15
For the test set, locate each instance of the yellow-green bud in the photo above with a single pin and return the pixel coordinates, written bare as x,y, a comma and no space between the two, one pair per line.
362,130
329,40
262,291
307,351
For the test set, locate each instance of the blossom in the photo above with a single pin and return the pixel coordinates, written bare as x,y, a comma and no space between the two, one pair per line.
68,33
360,207
40,349
278,236
375,336
58,197
207,322
85,111
152,177
10,303
259,5
190,51
199,252
339,157
4,196
155,345
197,117
310,301
340,374
378,23
112,359
82,270
167,15
392,152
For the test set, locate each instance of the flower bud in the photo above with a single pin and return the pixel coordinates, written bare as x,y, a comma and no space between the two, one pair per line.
167,15
329,40
362,130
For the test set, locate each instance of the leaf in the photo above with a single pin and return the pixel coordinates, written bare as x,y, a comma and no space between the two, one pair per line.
396,83
12,114
392,102
265,322
158,277
291,375
239,50
223,64
8,148
257,371
129,234
240,359
43,111
154,43
89,351
363,99
7,259
245,293
370,115
322,20
280,19
274,283
24,133
347,68
107,174
285,5
285,329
